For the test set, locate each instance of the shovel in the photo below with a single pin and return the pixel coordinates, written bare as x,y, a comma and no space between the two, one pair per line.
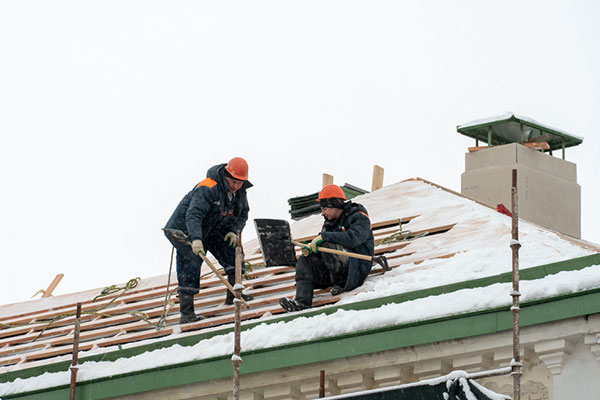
181,237
277,246
381,260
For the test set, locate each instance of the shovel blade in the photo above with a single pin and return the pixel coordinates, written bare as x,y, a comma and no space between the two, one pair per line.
382,260
275,240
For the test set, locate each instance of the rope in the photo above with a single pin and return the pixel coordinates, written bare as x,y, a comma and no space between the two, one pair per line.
163,318
107,291
401,236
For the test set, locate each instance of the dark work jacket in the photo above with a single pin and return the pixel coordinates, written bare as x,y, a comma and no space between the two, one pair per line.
206,209
353,231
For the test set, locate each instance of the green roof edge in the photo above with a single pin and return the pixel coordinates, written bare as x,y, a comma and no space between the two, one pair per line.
471,328
355,344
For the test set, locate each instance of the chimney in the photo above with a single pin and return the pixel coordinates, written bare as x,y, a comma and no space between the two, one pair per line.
549,194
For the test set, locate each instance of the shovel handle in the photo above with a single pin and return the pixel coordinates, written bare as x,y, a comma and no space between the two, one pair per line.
214,269
179,236
339,252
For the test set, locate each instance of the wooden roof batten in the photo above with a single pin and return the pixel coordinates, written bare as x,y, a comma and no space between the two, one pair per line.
41,336
531,274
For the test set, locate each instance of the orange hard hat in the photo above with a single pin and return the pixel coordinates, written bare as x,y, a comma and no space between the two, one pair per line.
331,192
238,168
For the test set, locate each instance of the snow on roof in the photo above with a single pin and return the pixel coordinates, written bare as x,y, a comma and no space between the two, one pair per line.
460,240
322,326
509,115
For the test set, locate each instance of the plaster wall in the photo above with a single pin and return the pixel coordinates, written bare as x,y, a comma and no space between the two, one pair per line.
547,186
579,377
558,364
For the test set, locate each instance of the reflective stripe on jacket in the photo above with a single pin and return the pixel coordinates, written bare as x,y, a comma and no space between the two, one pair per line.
207,210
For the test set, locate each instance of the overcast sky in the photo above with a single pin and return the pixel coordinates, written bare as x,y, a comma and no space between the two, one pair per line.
111,111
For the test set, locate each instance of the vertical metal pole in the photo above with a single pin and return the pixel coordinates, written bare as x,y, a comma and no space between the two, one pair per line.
489,143
237,359
322,384
74,367
515,245
563,149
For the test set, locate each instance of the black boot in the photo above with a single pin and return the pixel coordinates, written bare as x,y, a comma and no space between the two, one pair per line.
290,305
229,297
186,308
335,290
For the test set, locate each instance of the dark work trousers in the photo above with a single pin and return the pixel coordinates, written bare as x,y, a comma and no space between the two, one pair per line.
320,271
188,264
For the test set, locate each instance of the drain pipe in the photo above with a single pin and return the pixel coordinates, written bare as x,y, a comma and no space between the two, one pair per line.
515,245
74,367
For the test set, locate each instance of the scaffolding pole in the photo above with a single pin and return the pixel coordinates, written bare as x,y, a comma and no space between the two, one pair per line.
237,359
74,366
515,245
322,383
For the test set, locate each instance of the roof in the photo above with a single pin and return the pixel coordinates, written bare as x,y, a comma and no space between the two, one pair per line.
512,128
446,244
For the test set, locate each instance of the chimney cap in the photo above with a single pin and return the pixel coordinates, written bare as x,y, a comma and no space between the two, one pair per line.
512,128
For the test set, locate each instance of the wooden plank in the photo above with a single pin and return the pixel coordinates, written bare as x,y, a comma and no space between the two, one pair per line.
537,145
477,148
55,311
12,350
429,231
9,361
140,330
377,179
267,285
215,316
125,322
88,321
56,352
156,292
327,180
435,258
393,224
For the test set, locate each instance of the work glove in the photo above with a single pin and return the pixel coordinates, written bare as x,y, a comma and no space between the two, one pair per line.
313,246
198,247
231,238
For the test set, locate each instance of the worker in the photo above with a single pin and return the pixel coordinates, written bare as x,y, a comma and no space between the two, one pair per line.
347,228
209,215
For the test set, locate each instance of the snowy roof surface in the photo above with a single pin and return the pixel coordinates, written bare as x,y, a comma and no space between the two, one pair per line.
457,240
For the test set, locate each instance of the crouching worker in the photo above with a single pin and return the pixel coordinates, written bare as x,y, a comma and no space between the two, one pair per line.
347,228
207,218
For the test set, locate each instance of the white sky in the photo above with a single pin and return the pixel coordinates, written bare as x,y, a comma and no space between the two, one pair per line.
111,111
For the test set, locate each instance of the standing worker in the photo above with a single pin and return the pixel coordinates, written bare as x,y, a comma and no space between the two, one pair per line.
347,228
210,215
